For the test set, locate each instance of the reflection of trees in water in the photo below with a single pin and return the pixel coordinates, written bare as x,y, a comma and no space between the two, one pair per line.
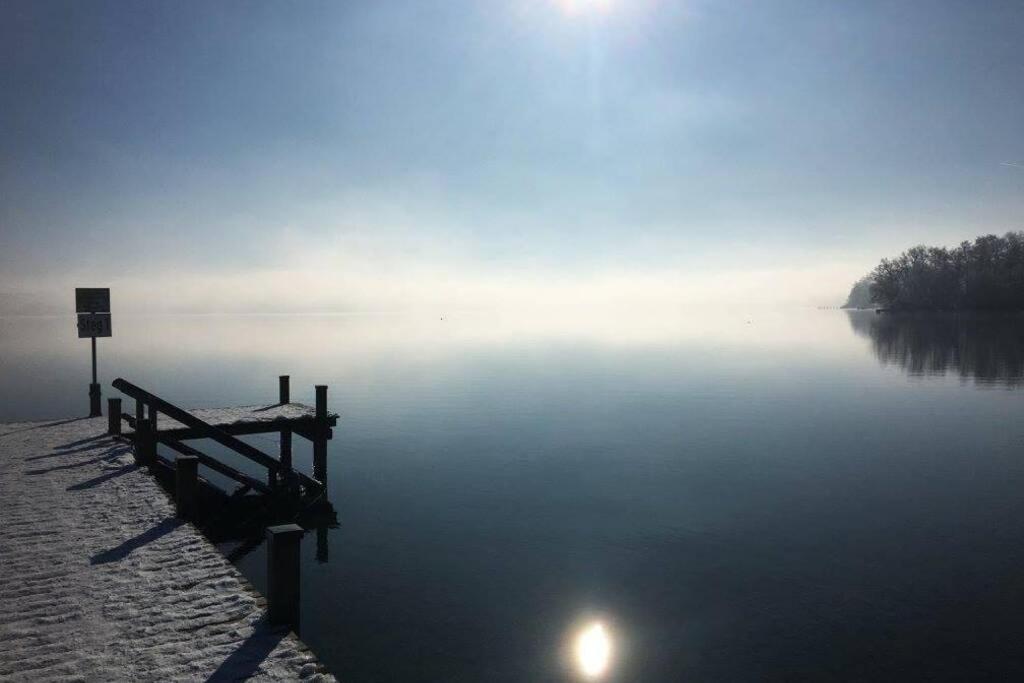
988,347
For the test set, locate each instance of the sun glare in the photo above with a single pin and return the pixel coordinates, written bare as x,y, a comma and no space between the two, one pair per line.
573,7
593,650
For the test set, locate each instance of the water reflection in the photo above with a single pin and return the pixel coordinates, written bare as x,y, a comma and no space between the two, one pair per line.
702,486
593,650
988,347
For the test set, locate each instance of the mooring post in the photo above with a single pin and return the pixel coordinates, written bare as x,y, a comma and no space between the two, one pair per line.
113,416
145,442
320,436
283,574
151,440
284,397
320,460
186,486
139,438
285,476
321,544
286,449
321,402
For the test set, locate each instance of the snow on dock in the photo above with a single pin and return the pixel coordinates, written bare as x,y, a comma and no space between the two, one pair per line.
100,581
263,418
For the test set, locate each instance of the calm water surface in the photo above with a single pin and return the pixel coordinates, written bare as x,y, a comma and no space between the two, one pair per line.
801,495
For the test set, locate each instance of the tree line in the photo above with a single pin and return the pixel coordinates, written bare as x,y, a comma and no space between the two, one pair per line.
988,274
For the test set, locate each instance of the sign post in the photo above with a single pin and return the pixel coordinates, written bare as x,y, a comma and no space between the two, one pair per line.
93,307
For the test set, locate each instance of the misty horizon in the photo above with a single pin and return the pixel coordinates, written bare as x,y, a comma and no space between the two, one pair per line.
746,154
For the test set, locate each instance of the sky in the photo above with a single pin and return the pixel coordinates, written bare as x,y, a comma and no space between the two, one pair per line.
452,154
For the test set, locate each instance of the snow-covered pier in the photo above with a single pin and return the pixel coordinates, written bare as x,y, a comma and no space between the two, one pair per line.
100,580
222,425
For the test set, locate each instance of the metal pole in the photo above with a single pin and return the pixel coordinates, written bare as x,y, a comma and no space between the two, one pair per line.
94,388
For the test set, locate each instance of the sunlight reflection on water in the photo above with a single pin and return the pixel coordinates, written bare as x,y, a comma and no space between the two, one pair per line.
593,650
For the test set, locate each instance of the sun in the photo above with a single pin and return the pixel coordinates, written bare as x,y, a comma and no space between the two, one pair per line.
574,7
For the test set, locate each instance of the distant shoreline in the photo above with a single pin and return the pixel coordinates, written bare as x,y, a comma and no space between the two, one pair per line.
922,309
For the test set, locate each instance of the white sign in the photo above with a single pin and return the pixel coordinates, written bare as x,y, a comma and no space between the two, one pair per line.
92,300
94,325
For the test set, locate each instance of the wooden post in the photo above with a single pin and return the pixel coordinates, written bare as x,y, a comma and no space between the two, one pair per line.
151,441
283,397
145,443
321,402
140,414
186,486
113,416
286,449
283,574
320,460
320,436
321,544
152,417
139,443
286,476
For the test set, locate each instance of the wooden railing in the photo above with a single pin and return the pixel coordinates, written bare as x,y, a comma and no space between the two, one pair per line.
281,477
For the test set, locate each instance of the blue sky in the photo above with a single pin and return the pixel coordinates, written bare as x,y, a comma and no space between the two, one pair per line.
486,145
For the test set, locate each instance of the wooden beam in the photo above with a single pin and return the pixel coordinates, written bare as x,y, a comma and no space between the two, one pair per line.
309,431
231,472
216,465
204,429
303,426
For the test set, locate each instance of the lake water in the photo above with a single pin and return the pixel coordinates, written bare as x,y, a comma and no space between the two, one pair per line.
766,495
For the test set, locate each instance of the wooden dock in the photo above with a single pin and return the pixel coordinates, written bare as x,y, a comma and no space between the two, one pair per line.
158,422
100,565
100,579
